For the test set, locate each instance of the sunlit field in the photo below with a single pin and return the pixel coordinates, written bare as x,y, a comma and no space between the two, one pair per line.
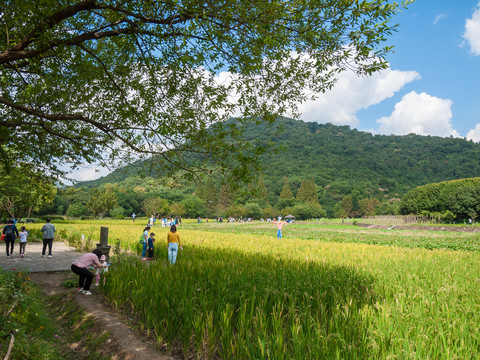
324,291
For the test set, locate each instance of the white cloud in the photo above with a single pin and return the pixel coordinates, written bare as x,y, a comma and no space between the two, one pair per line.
474,134
421,114
472,31
438,18
352,93
86,173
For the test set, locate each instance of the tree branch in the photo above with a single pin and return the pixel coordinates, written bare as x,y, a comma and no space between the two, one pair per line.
53,20
124,96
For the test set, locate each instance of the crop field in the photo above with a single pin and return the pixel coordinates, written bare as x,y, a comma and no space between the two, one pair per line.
324,291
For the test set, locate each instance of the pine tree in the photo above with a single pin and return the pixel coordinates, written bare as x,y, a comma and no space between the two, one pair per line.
262,190
308,192
200,191
224,197
210,194
286,193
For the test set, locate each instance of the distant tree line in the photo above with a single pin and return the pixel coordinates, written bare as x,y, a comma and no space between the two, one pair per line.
150,196
451,200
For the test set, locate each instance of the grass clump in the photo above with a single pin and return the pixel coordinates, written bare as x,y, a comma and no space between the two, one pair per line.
22,313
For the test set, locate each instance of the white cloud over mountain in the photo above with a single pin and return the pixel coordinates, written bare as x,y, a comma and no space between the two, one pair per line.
421,114
474,134
353,93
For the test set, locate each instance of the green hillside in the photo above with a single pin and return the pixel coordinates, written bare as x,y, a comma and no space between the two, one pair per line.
343,161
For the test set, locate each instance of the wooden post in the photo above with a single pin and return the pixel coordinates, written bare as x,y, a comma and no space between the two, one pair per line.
104,235
103,246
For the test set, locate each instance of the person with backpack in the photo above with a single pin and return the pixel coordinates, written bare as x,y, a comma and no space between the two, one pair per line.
48,231
11,233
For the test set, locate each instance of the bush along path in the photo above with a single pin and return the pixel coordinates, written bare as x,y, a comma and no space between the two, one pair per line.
63,324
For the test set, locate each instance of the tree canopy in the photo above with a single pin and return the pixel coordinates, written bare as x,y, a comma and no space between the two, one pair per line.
459,197
102,80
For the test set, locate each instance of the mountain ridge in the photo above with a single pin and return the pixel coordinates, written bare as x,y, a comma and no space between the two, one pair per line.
341,160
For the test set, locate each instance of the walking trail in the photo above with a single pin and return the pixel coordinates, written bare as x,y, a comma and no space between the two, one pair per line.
49,274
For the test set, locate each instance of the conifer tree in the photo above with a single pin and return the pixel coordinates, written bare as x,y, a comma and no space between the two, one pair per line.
210,194
308,192
286,193
262,190
224,197
200,191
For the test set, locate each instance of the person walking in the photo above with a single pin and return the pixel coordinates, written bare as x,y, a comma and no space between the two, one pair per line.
173,239
145,242
11,233
23,241
80,265
48,231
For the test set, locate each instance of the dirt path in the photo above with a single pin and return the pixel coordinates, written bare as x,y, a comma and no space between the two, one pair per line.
129,345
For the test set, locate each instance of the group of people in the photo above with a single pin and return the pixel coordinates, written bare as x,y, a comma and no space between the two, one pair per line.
10,234
173,243
96,259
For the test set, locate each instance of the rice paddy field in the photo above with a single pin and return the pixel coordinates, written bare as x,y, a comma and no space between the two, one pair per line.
322,292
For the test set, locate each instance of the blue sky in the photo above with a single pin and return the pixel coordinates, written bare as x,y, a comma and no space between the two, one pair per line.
432,86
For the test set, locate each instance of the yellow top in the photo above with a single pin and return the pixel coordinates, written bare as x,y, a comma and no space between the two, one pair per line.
173,238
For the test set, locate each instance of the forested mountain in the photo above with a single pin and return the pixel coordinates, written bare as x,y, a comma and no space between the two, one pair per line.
343,161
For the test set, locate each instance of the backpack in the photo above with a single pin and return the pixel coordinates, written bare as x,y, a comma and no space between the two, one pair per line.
9,233
141,239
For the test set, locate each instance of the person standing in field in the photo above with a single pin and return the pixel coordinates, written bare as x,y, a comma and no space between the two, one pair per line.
145,242
23,241
173,244
279,224
151,240
48,231
11,233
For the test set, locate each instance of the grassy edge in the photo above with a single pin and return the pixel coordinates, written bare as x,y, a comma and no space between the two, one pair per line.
47,327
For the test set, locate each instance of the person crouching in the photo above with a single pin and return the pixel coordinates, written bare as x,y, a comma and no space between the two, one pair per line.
80,266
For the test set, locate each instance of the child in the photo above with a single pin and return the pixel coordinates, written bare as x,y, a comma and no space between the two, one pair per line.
151,240
23,241
101,270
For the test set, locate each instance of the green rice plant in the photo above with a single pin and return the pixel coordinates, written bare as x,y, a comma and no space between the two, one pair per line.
241,296
322,292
